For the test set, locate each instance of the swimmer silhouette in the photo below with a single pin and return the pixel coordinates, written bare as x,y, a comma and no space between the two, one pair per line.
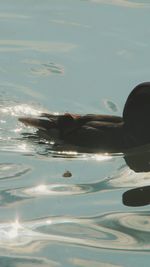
101,132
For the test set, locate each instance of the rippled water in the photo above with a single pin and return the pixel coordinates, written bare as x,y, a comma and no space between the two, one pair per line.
64,208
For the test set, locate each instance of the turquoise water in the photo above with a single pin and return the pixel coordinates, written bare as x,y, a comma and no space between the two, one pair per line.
83,57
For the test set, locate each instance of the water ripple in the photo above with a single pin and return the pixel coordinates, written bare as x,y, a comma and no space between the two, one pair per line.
88,263
26,261
122,3
125,179
10,170
110,105
11,129
41,46
11,196
11,16
117,231
46,69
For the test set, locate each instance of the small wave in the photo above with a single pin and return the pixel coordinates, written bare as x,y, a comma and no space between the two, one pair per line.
46,69
13,261
116,231
11,170
110,105
122,3
41,46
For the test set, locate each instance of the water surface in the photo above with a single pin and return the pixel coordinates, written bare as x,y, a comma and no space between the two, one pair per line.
83,57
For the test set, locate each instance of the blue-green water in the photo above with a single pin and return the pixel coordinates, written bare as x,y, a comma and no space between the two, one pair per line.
83,57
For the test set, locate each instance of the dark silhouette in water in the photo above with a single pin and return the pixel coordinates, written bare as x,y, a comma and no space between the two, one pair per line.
137,197
129,133
101,132
138,159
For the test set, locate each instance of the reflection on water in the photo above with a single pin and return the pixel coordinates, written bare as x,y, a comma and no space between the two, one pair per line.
19,45
123,3
137,197
26,261
10,128
46,69
69,23
60,206
88,263
56,189
117,231
111,105
17,109
10,196
8,16
10,170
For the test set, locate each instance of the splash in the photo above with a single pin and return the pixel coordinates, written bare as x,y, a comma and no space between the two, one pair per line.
20,109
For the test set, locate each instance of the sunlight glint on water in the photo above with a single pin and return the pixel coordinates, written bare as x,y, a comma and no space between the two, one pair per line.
55,59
